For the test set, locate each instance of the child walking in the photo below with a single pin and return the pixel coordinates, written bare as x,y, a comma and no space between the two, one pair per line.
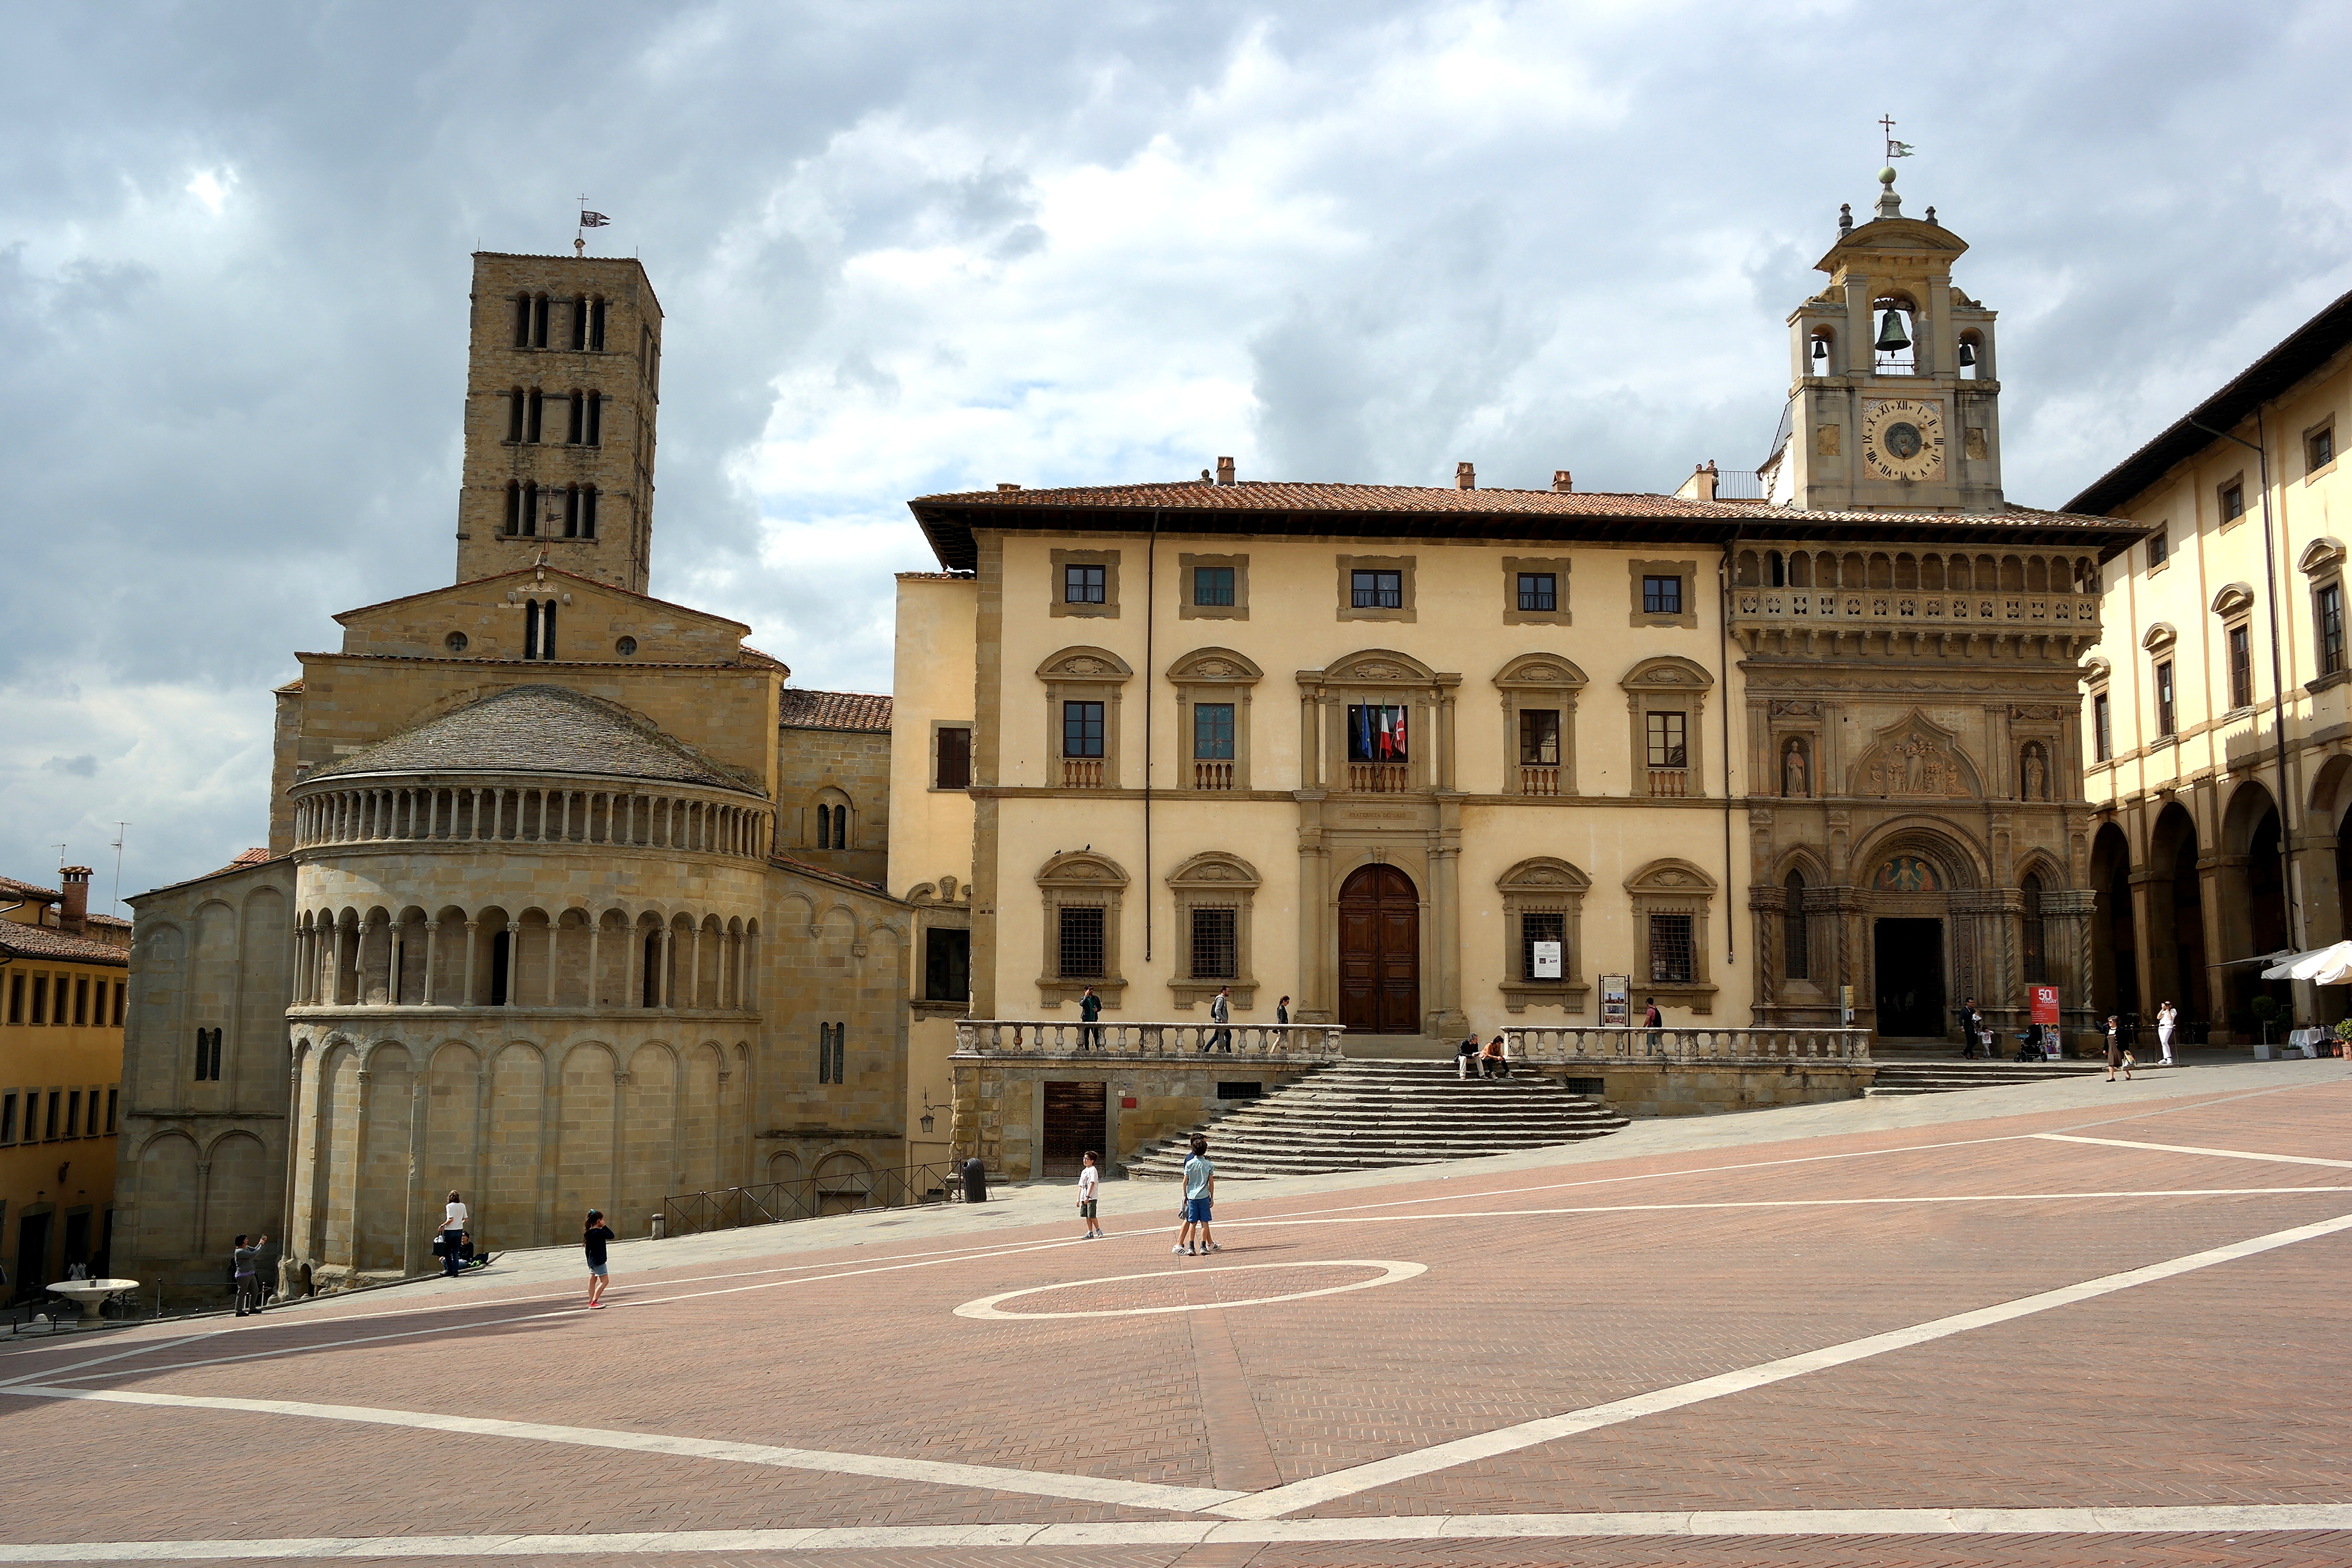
596,1235
1089,1183
1199,1193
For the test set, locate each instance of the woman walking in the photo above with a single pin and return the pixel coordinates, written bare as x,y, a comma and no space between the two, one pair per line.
2116,1056
2167,1016
1089,1184
596,1235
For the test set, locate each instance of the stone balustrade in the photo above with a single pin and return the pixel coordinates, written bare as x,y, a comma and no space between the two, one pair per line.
1958,611
1577,1043
1146,1041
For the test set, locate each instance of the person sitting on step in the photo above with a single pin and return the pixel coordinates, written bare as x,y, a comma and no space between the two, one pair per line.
1465,1056
1494,1061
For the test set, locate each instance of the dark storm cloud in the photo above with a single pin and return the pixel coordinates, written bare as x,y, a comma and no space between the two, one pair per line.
908,247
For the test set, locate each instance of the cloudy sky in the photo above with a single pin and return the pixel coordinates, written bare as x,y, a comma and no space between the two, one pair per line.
906,248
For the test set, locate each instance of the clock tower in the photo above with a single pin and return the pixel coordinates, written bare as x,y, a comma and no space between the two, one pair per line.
1895,404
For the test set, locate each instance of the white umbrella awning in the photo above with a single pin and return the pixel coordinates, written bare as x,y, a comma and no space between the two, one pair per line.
2321,967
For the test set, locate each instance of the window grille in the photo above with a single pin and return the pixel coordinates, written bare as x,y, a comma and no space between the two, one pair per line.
955,759
1213,732
1540,591
1376,590
1671,948
1669,745
1083,584
1662,595
2331,628
1213,584
1542,925
1082,728
1081,954
1216,944
1539,737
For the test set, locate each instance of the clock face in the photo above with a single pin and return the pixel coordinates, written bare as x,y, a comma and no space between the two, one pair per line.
1903,438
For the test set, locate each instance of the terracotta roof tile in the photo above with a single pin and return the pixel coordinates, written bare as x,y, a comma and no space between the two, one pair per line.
12,890
536,729
834,710
40,942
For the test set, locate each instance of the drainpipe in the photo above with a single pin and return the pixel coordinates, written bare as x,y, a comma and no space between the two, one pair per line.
2294,936
1722,673
1151,619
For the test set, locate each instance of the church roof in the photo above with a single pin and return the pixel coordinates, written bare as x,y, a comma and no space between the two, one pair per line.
536,729
800,710
1194,507
2303,351
345,615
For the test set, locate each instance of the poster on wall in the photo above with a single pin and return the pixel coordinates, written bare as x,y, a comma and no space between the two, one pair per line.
1546,958
1616,1001
1845,1005
2046,1004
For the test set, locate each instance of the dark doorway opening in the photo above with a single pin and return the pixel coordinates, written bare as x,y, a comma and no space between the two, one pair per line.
501,955
1910,970
1074,1124
32,1256
1379,952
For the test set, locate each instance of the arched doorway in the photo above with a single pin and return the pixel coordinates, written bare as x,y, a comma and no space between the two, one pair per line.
1379,952
2115,943
2175,912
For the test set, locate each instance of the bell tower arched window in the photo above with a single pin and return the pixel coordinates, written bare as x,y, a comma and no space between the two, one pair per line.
1895,348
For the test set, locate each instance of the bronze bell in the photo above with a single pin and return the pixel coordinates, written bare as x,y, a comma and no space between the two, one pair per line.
1820,350
1892,338
1968,351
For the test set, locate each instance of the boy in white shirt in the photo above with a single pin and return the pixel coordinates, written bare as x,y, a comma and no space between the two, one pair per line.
1089,1182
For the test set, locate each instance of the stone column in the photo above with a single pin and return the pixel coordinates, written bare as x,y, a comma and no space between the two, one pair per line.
694,967
662,978
1315,980
514,964
467,997
411,1239
555,926
432,956
596,976
395,949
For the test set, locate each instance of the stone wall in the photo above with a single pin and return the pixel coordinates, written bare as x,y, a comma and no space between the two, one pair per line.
817,767
1000,1104
1696,1089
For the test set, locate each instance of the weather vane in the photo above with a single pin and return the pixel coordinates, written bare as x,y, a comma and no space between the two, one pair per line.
1894,148
588,220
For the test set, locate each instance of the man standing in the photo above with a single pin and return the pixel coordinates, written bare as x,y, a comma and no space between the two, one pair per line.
2166,1018
1089,1010
1971,1029
1200,1194
244,1264
1652,1019
455,1217
1221,1013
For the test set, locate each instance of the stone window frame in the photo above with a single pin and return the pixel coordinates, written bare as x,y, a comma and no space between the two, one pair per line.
1084,674
1106,559
1213,878
2237,482
1673,887
2233,605
2315,471
1539,681
2097,675
1666,683
943,905
1546,884
1384,678
2322,566
1213,675
1080,878
931,760
2159,547
2161,644
1403,565
1687,571
1186,610
1515,616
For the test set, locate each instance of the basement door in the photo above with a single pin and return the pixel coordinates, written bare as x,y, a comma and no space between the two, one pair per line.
1379,952
1074,1124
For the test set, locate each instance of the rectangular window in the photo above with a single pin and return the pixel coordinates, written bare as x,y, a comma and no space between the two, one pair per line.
8,1116
1542,926
1669,739
1215,944
1082,728
1213,584
2319,447
1539,737
1376,733
119,988
955,758
2164,711
1083,584
597,326
2233,500
2330,602
49,1125
2103,737
1080,954
2241,668
1376,590
1662,595
112,1096
82,1001
595,432
1797,958
1670,948
1540,591
40,998
831,1051
15,998
2159,548
73,1113
947,966
1213,732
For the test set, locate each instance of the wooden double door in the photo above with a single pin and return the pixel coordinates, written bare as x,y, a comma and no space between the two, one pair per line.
1379,952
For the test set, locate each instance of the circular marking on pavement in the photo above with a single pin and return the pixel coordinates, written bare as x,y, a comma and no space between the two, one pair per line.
1389,1274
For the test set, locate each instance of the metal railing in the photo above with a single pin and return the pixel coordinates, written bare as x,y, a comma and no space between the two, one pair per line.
774,1203
1739,484
1618,1044
1260,1042
2006,609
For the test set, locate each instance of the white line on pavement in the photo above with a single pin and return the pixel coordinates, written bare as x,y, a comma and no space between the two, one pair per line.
2206,1520
1399,1468
2193,1149
1037,1483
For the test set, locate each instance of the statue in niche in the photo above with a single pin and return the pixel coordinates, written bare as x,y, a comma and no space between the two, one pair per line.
2036,775
1793,781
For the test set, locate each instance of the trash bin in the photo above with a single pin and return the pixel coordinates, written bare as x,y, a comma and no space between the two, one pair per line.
975,1180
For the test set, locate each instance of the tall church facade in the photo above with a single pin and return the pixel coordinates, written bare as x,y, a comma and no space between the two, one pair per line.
570,899
1430,762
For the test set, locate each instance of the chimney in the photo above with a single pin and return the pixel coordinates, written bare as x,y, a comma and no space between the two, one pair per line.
1002,486
1465,476
1225,471
75,917
1700,486
1561,482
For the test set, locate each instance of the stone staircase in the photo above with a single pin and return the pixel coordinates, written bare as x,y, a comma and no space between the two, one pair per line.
1363,1114
1898,1075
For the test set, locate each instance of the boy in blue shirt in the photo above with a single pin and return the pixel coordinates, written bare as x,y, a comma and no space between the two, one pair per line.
1200,1192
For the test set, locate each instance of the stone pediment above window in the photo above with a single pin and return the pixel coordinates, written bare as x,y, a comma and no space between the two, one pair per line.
1087,664
1215,667
2321,554
1543,874
2096,671
1541,670
2234,598
1671,877
2160,636
1077,869
1667,673
1376,666
1915,758
1215,869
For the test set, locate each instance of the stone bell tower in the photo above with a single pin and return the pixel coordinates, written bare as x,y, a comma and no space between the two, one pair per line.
1894,401
563,380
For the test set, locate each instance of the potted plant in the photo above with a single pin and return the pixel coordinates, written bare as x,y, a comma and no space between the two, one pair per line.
2264,1009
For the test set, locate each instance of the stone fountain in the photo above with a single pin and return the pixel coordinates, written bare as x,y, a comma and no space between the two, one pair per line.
90,1295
